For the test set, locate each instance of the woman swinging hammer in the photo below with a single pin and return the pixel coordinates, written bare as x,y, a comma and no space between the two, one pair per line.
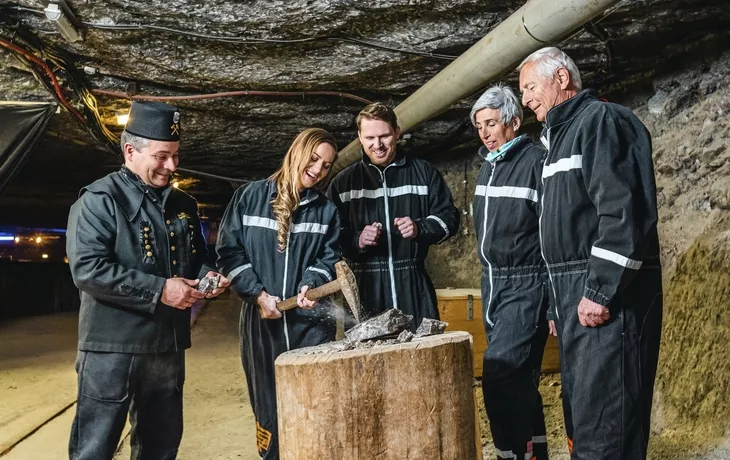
279,238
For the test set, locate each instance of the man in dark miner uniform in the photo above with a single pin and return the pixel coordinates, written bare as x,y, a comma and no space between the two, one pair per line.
598,229
137,253
393,207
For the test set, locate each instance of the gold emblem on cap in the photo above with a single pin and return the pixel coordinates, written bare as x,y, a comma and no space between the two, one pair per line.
175,129
183,215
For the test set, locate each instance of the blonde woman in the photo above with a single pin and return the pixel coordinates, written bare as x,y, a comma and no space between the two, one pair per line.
279,238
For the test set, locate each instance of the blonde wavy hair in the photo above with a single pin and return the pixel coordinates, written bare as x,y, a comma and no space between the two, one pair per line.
288,178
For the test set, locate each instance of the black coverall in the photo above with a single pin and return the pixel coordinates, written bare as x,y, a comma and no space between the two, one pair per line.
392,273
249,257
124,240
599,237
514,298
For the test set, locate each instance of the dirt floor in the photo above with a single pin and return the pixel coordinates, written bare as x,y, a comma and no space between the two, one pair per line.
37,377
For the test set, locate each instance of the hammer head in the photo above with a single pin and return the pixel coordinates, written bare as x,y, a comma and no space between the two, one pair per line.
348,286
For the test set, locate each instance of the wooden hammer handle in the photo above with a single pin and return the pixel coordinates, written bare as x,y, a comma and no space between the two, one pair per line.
312,294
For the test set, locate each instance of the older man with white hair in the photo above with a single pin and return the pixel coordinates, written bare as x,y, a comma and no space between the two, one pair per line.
514,280
598,229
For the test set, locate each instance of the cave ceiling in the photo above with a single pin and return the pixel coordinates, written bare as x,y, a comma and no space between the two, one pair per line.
317,62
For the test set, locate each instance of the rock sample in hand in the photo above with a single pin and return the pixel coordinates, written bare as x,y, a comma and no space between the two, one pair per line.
208,284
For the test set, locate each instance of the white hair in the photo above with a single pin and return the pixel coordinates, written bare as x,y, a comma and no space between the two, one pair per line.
135,141
549,60
498,97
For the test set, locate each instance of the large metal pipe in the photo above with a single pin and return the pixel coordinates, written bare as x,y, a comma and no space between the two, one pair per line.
536,24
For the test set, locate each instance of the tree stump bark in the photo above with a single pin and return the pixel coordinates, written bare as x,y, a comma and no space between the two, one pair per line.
403,401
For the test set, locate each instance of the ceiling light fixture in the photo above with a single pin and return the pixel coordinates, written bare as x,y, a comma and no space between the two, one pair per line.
58,12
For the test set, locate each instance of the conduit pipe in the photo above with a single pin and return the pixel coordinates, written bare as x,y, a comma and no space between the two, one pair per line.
536,24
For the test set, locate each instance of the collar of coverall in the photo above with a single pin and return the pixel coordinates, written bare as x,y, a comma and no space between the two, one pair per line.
567,110
502,151
398,160
306,196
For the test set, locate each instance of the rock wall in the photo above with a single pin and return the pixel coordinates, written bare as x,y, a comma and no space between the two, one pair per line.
694,376
454,263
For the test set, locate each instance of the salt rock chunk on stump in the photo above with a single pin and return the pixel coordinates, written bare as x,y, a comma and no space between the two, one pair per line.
400,401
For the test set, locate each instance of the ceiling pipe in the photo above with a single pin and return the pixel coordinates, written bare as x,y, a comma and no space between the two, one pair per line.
536,24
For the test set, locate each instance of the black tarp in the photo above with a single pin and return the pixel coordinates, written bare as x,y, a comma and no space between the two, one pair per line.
28,289
21,125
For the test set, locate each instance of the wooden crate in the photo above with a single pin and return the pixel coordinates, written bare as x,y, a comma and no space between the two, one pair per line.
462,309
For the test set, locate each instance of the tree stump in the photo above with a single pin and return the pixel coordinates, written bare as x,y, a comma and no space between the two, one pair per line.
402,401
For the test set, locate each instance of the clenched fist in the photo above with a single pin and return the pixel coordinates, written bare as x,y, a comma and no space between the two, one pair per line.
369,235
592,314
406,227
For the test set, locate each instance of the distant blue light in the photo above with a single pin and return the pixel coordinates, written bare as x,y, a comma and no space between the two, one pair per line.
8,230
7,238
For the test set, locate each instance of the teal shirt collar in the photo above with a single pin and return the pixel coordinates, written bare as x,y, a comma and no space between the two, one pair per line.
501,152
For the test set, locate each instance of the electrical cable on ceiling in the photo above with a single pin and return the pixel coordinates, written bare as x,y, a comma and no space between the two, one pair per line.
135,97
250,41
214,176
24,8
52,77
270,41
31,48
93,123
602,34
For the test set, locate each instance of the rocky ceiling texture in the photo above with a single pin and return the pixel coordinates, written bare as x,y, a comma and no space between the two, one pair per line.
357,50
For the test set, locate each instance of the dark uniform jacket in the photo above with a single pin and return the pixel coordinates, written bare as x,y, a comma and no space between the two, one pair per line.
599,199
124,240
505,207
392,274
247,246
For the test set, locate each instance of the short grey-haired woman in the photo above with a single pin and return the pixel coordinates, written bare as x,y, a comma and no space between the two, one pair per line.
514,289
